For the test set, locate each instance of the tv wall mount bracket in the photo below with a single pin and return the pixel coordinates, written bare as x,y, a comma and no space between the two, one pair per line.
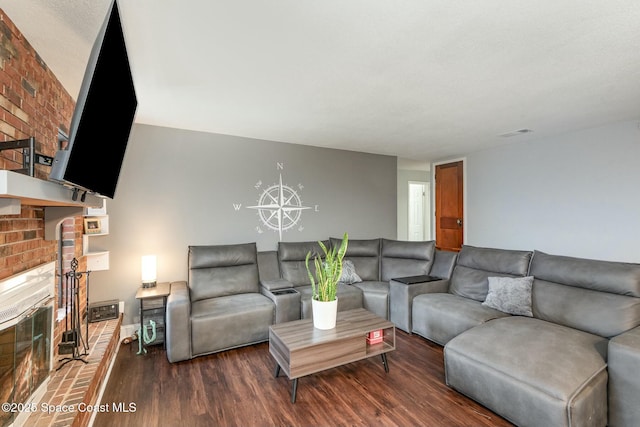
29,156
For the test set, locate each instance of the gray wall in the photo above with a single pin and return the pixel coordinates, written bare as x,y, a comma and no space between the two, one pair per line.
576,194
178,188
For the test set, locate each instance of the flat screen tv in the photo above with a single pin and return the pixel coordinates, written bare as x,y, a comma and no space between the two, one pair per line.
103,116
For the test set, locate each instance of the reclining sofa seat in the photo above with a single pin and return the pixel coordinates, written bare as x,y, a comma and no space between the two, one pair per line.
220,307
551,369
448,308
377,261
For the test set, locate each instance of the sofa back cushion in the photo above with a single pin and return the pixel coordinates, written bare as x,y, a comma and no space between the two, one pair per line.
365,255
291,256
474,266
221,270
268,267
404,258
443,264
600,297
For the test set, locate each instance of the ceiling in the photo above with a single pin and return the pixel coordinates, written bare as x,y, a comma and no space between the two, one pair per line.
419,79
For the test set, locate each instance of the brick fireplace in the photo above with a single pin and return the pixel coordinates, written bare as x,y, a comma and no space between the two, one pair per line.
33,103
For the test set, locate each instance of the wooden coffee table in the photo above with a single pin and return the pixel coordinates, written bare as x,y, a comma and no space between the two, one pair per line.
300,349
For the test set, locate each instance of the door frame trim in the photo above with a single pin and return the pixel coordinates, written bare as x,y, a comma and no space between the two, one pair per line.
465,230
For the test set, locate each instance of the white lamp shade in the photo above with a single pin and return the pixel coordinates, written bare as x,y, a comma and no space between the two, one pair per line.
148,268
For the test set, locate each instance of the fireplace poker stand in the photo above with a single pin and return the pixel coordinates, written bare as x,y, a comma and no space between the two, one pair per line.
72,337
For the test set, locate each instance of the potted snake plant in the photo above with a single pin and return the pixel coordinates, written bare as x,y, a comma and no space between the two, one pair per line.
324,283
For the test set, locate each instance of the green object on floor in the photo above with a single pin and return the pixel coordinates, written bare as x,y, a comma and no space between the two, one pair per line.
143,335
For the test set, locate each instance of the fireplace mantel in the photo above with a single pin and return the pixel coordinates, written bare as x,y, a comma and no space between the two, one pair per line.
17,189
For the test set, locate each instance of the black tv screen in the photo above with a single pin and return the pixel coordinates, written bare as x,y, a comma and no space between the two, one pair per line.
103,116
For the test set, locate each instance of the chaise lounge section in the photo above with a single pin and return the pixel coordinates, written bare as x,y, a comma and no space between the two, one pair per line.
550,366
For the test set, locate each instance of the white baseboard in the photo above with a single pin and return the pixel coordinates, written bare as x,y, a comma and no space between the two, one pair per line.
128,330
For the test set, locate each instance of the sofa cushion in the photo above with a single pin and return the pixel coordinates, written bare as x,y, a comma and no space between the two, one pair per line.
221,270
596,312
375,297
532,372
605,276
590,295
349,275
230,321
402,258
365,255
440,317
443,264
510,294
474,266
268,267
292,255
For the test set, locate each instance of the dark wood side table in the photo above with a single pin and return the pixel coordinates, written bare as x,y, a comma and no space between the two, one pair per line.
153,306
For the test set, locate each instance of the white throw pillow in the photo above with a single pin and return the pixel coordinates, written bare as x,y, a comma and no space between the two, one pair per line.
349,274
510,295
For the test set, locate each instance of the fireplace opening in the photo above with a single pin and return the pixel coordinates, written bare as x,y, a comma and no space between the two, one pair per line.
26,334
25,359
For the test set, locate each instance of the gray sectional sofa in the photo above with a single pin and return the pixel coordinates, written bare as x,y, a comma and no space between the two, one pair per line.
568,363
560,348
376,261
234,293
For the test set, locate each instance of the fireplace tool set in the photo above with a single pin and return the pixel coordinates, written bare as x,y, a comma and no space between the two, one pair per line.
73,342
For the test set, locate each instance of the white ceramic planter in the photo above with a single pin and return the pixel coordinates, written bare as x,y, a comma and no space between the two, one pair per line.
324,313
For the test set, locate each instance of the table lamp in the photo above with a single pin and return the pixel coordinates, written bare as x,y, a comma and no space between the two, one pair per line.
148,271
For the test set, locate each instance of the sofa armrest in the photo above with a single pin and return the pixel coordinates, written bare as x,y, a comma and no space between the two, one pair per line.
275,284
286,300
178,327
624,383
401,297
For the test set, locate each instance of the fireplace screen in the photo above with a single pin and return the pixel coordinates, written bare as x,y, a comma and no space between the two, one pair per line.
24,358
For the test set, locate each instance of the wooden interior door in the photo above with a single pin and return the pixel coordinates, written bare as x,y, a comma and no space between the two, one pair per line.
449,206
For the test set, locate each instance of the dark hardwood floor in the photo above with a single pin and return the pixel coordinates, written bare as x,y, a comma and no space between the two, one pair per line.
237,388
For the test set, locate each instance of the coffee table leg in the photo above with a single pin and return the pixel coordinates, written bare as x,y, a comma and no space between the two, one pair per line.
384,362
277,372
294,389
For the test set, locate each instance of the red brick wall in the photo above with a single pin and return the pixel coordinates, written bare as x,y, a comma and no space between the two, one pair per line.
32,103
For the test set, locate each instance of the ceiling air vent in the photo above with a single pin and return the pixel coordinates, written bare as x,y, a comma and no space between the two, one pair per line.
515,133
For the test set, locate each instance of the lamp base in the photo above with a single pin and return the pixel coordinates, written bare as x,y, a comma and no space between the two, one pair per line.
148,284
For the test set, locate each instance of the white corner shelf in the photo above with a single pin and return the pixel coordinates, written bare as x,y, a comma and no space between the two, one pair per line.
97,259
97,211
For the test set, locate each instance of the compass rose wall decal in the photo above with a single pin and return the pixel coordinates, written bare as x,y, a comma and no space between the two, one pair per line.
279,206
